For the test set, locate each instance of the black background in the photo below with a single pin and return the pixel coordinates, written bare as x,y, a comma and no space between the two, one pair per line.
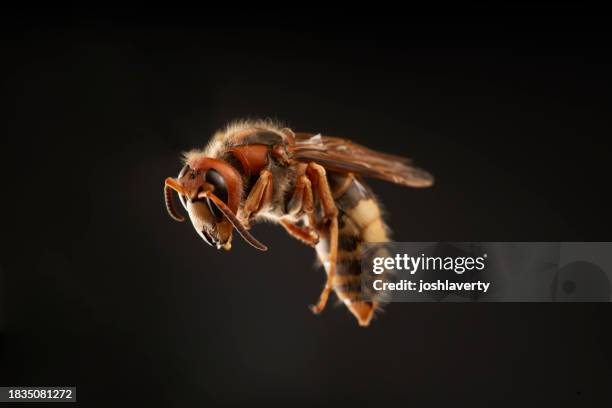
99,288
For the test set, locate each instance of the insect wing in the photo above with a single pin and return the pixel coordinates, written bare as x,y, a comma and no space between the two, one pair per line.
346,156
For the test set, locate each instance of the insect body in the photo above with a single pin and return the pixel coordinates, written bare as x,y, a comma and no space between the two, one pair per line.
310,184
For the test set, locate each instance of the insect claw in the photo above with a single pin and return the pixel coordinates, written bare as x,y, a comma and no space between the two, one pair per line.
314,309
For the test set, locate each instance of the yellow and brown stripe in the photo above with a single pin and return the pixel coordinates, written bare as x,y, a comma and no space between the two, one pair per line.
360,221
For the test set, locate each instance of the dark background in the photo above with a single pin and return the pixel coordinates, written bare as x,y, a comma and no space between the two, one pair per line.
99,288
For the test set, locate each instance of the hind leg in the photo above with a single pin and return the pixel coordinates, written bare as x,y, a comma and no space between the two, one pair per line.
317,176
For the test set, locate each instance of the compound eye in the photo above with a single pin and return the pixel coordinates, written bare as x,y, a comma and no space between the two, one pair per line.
214,178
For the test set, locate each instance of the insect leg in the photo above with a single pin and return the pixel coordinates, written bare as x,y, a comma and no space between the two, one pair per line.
307,235
317,175
258,198
301,201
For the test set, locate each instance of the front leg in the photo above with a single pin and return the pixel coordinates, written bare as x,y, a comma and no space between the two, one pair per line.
317,175
259,197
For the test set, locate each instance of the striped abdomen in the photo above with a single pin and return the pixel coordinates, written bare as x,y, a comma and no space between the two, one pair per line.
360,221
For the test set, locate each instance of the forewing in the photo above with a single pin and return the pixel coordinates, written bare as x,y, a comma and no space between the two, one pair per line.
345,156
